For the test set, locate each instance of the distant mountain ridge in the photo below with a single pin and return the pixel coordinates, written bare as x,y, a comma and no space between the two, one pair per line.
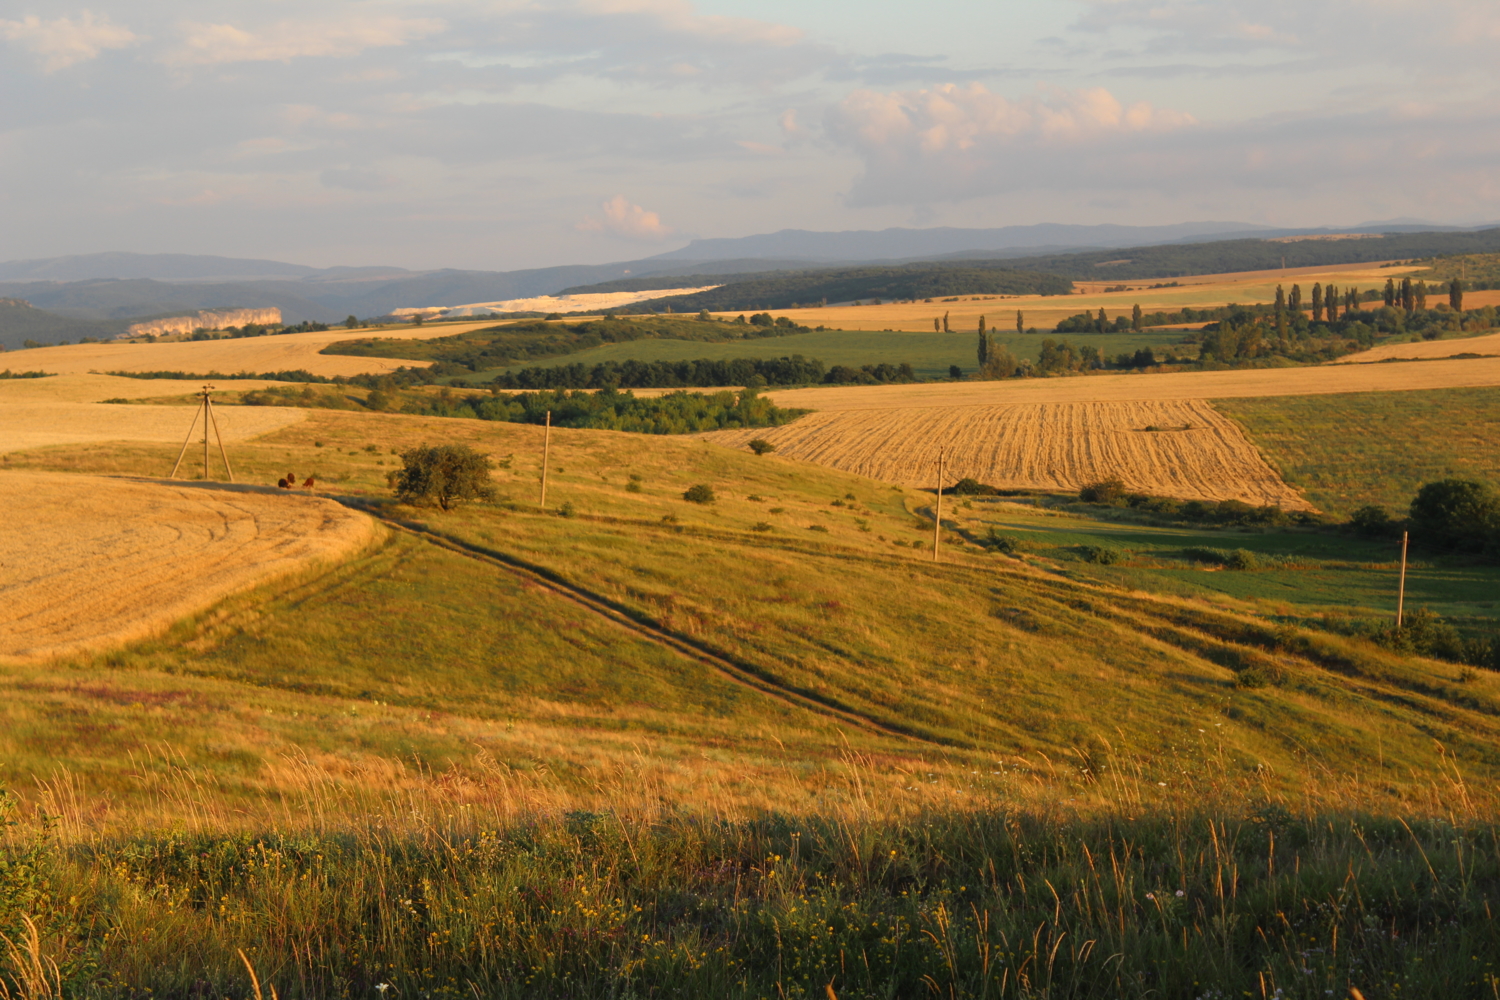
106,288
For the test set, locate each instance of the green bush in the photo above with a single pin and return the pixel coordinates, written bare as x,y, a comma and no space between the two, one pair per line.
447,475
1009,544
700,493
1372,521
1105,491
1104,555
761,446
1460,515
967,487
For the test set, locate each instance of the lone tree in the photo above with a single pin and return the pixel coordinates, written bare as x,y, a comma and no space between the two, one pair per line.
448,475
1456,295
701,493
1135,317
352,321
1457,514
761,446
1020,322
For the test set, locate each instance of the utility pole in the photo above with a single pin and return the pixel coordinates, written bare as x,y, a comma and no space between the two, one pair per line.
546,455
1401,588
937,522
206,409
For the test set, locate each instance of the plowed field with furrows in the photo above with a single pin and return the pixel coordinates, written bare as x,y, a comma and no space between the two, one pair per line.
1051,446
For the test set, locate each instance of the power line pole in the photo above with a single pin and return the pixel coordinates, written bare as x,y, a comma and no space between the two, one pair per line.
546,454
1401,588
206,409
937,522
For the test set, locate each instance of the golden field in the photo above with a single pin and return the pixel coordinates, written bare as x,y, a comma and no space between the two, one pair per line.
1191,452
1044,311
1310,381
283,352
107,561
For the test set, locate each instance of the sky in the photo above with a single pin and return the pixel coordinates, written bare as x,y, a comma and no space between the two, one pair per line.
505,134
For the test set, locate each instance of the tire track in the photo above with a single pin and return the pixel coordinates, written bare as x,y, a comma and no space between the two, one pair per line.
741,673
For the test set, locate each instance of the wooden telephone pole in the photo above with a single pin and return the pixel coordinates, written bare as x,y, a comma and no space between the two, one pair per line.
546,453
206,410
1401,588
937,522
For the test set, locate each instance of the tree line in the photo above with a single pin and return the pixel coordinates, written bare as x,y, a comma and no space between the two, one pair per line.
608,409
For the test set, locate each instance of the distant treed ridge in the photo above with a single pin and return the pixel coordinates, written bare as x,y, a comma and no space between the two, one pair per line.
788,290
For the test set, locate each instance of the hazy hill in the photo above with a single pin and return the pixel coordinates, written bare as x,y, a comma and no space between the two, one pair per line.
20,322
893,244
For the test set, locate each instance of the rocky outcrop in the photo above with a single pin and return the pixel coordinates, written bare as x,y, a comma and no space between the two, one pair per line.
208,319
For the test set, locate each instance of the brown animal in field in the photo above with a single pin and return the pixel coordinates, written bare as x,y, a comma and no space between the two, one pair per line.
281,484
310,483
291,478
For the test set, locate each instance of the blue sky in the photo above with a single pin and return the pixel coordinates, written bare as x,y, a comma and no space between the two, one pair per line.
516,133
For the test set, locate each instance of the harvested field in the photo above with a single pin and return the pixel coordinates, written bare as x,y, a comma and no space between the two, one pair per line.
1048,446
285,352
38,425
109,561
1044,311
1312,381
1487,344
97,388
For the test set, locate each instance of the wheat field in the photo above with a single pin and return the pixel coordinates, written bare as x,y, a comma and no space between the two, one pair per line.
1195,454
106,561
1312,381
284,352
1427,349
1043,311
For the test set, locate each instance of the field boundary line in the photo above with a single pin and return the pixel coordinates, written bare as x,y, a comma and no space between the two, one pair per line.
744,674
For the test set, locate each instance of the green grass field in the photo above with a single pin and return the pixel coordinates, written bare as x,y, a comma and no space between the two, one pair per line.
1343,451
930,354
629,745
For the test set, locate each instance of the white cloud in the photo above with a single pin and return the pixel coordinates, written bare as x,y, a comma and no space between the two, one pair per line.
954,142
283,41
64,41
622,218
679,17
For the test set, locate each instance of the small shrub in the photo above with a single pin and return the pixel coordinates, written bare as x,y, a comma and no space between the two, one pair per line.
971,488
669,519
756,498
1242,559
1372,521
1104,555
1260,675
817,527
1105,491
761,526
633,486
699,493
778,510
761,446
1008,544
567,509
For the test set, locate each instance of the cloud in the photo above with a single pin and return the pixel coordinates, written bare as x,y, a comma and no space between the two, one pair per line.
622,218
954,142
64,41
355,179
205,44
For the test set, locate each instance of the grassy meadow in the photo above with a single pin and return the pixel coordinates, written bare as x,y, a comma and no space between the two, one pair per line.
929,353
632,746
1344,451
